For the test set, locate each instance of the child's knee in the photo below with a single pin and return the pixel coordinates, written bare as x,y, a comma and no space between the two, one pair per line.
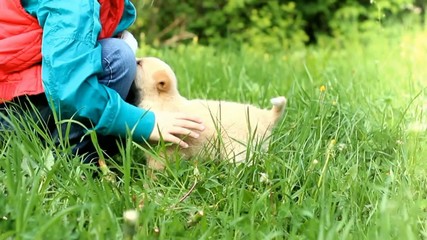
119,65
117,50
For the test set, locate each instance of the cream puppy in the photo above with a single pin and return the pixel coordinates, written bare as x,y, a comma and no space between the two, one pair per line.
229,126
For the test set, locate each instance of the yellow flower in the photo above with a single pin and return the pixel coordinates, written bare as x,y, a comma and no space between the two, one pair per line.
322,88
195,40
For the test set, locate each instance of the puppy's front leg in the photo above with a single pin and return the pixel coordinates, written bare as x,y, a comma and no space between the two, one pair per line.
154,164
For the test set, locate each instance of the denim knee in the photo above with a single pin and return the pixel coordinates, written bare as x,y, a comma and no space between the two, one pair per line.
119,65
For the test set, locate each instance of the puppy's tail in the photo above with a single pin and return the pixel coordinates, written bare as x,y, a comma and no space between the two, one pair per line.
278,108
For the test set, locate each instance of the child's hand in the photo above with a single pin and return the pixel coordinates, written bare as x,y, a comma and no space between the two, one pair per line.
173,125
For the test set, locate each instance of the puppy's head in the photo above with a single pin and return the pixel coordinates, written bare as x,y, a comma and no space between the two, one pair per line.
154,79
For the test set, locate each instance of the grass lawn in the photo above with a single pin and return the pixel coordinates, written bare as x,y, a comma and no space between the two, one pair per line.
348,161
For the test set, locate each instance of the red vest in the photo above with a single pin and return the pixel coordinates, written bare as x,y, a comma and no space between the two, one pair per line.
20,46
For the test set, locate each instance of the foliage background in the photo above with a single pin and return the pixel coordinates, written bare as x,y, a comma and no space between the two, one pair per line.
267,25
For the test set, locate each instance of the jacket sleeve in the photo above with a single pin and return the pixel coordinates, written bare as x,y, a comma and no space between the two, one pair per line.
70,65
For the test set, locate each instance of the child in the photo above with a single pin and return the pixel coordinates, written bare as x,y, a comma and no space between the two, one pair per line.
68,58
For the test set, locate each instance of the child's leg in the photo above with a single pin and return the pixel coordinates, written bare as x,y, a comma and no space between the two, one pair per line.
119,64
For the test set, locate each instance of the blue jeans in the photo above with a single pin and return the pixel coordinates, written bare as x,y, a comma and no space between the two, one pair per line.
119,65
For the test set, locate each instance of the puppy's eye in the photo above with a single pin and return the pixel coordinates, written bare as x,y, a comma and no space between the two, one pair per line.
139,62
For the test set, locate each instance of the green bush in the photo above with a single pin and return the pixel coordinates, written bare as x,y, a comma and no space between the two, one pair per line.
267,25
337,17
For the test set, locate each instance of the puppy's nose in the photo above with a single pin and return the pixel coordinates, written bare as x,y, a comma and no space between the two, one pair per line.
139,61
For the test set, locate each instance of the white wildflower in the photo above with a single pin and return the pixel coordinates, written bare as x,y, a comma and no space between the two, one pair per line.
341,147
130,216
264,178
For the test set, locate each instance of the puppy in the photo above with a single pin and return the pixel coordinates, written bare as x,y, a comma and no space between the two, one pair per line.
230,126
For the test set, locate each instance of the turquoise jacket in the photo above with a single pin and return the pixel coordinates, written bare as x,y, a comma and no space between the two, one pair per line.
71,60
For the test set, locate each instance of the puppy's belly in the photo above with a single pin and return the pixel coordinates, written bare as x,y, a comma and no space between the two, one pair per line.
229,126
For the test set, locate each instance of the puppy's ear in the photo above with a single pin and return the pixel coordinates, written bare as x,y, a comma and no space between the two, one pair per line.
162,80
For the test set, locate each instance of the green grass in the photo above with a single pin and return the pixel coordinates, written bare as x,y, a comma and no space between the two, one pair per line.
345,163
